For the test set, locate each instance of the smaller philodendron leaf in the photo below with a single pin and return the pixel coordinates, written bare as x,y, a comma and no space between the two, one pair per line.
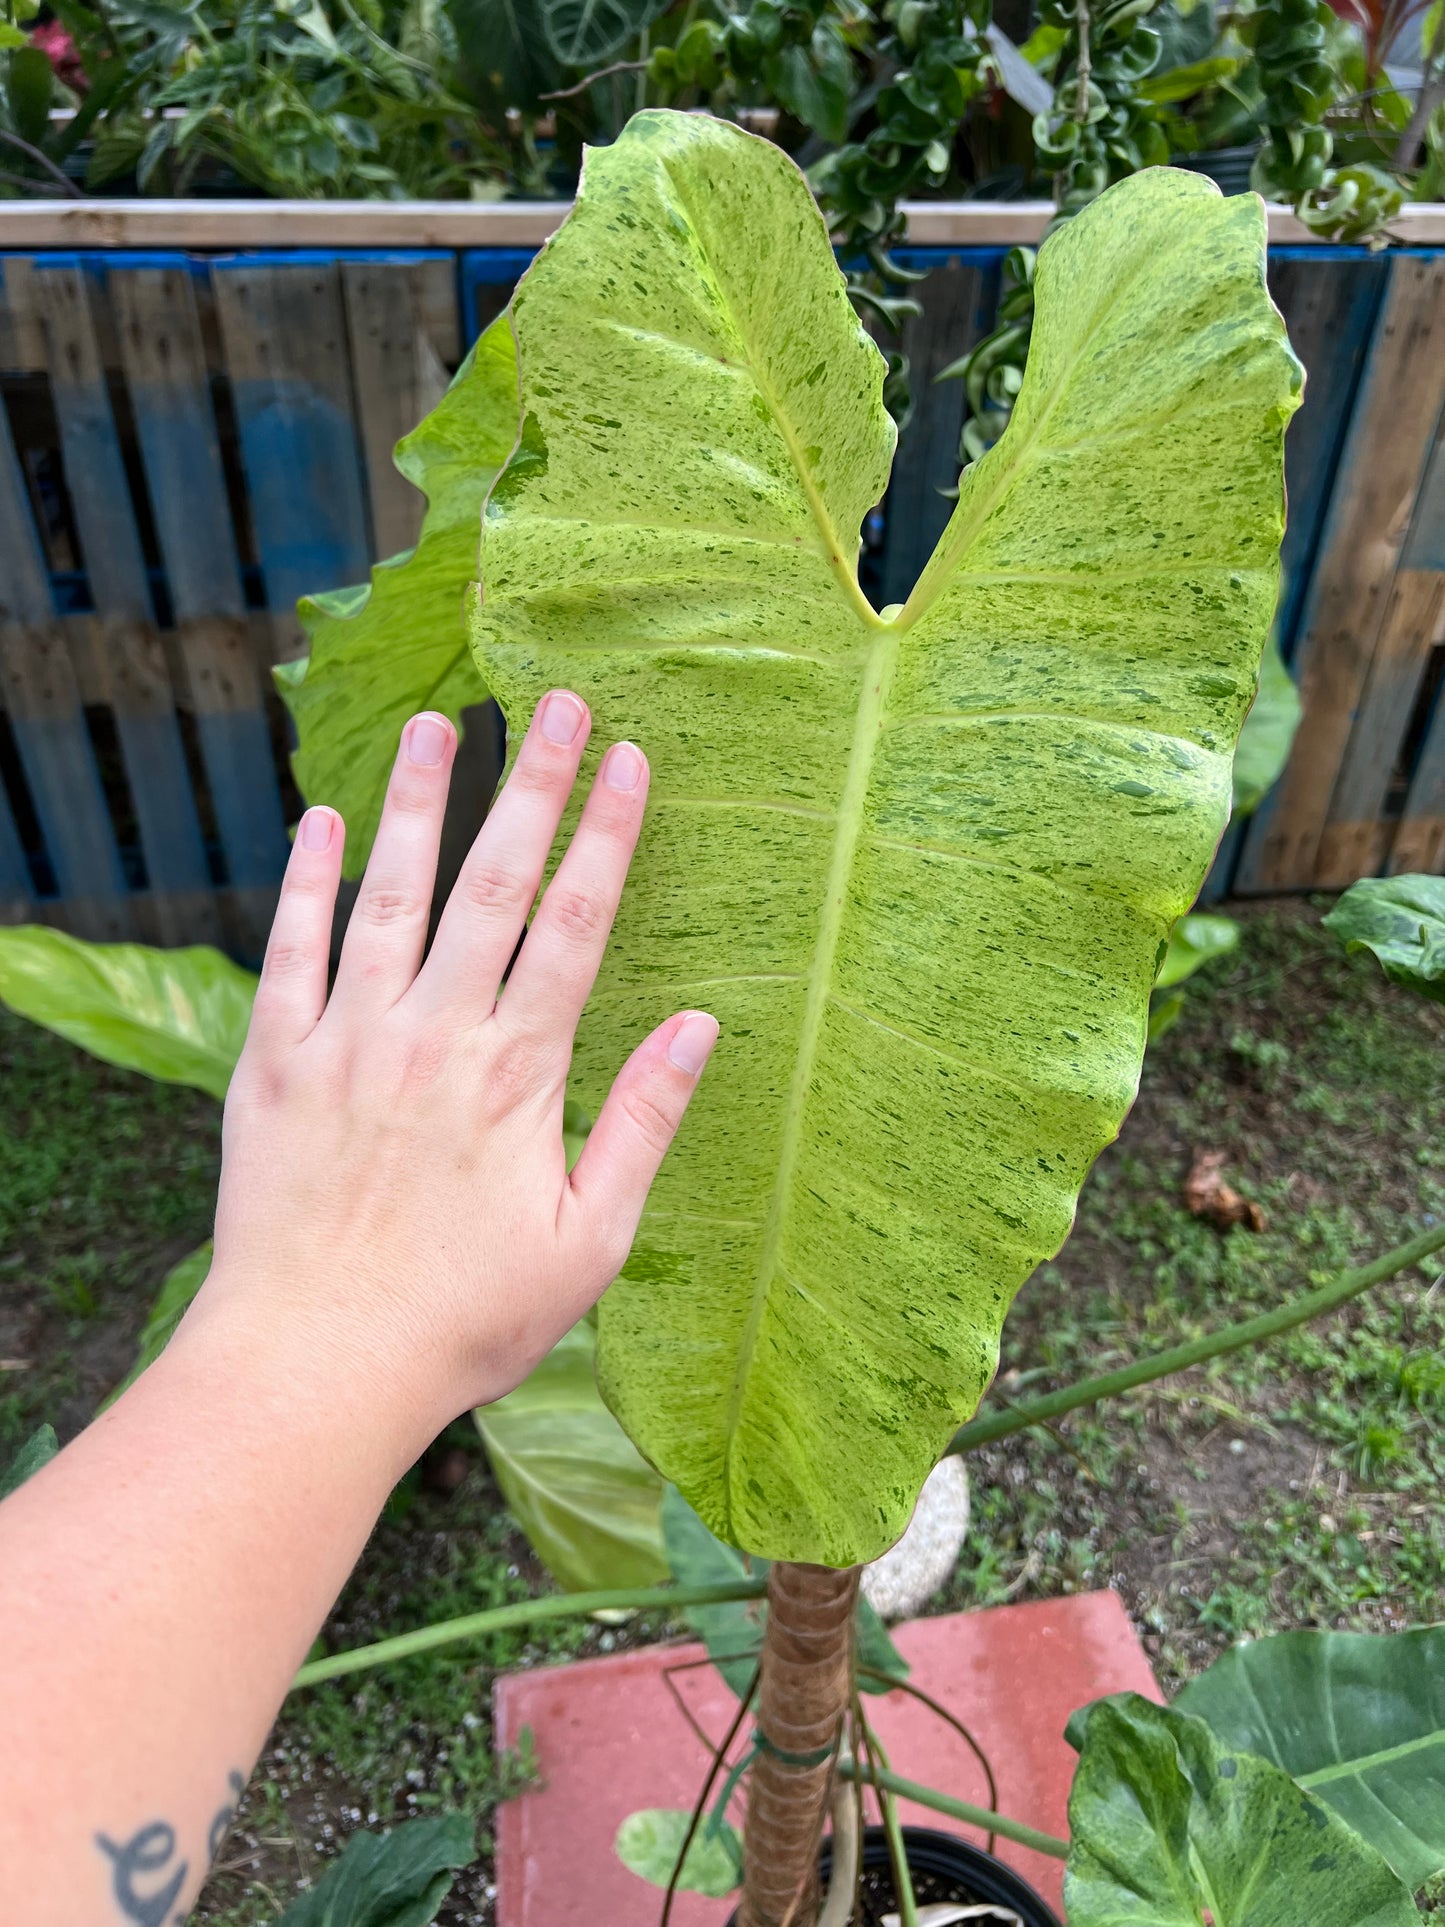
179,1287
39,1449
1169,1828
179,1016
573,1480
397,1879
648,1844
1402,921
381,653
1358,1718
1195,941
732,1631
877,1652
1268,733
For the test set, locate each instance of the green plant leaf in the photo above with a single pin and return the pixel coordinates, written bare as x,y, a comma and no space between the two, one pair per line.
1401,921
580,33
396,1879
1196,939
1179,83
733,1630
39,1449
1268,733
178,1288
921,869
381,652
1357,1718
179,1016
573,1480
29,88
876,1649
649,1842
1169,1828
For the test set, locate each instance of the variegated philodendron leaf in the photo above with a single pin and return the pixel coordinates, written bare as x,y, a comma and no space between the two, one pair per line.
921,868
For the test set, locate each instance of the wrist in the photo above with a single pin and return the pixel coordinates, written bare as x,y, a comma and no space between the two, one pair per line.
246,1356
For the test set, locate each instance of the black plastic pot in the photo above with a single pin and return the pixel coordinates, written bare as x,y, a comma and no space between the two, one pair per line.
943,1868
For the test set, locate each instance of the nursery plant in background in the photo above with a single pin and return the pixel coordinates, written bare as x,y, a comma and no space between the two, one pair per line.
924,864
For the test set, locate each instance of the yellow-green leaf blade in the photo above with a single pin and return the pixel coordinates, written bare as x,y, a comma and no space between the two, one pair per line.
177,1015
930,944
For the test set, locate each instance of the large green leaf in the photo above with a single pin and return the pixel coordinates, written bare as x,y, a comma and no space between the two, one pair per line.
1268,733
178,1015
1401,921
381,653
1193,942
589,1504
922,869
1358,1718
1169,1828
396,1879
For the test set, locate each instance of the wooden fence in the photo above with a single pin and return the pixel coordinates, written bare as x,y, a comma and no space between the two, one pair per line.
189,441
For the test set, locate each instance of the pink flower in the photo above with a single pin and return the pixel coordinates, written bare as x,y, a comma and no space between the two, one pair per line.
55,43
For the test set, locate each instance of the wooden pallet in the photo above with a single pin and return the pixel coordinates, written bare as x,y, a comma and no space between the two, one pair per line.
185,427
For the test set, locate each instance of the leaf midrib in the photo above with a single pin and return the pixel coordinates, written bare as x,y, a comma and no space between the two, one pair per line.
1367,1762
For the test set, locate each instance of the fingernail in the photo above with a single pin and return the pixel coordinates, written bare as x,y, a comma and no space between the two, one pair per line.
426,740
315,830
692,1042
622,769
561,717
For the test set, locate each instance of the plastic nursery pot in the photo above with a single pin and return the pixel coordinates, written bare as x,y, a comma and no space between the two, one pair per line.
944,1868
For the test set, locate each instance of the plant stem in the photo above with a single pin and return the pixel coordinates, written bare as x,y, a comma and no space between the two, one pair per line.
1432,92
806,1680
1230,1338
927,1796
525,1612
1085,66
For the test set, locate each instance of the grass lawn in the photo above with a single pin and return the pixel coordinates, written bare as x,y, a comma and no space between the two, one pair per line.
1294,1486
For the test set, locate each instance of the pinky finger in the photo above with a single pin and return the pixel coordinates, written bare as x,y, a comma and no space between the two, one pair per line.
292,993
636,1127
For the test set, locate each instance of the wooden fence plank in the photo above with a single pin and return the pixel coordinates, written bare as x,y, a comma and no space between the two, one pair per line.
1420,835
286,354
48,723
1329,308
181,900
17,892
399,366
1357,836
169,384
1390,436
959,298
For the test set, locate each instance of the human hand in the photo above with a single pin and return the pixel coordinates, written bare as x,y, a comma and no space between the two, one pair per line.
394,1195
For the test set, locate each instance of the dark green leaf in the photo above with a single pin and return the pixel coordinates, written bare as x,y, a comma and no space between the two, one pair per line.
32,81
586,1499
649,1842
1402,921
733,1631
876,1650
179,1016
1170,1829
505,59
39,1449
396,1879
1358,1718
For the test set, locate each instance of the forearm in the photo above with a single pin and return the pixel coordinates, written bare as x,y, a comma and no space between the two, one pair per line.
160,1582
